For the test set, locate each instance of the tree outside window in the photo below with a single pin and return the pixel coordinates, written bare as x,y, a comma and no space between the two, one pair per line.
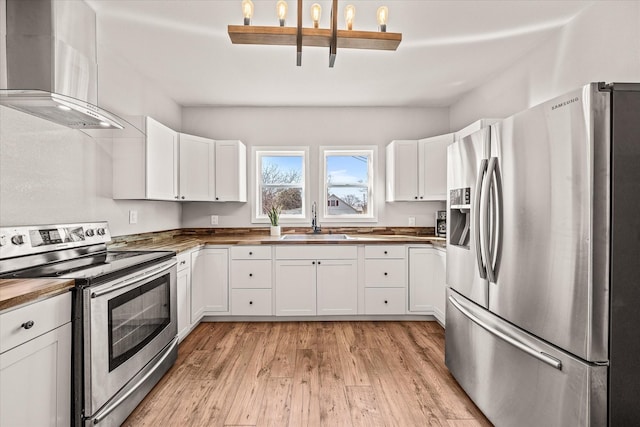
281,182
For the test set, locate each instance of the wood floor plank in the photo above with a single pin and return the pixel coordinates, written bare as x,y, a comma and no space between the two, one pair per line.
334,407
307,335
276,405
350,356
284,358
305,390
363,407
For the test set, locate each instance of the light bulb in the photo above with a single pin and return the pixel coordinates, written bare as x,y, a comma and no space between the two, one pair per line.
383,16
316,11
349,14
247,11
281,8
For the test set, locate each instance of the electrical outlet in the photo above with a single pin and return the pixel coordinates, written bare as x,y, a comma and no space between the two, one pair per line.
412,221
133,217
214,219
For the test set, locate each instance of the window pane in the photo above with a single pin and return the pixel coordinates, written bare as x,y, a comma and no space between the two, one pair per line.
282,170
347,184
290,199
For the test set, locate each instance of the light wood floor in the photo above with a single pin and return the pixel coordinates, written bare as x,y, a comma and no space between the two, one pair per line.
310,374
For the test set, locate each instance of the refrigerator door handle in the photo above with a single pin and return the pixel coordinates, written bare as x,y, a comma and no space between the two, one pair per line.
491,206
477,229
543,357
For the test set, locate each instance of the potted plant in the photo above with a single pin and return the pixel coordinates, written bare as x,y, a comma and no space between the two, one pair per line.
274,217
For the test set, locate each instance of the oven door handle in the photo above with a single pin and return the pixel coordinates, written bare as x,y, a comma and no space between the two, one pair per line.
111,407
145,274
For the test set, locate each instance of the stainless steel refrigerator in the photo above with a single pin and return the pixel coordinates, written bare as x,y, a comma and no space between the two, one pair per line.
543,262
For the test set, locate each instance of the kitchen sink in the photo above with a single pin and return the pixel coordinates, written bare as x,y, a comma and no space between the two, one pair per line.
315,237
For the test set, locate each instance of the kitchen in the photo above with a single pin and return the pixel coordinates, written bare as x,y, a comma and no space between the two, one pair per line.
52,174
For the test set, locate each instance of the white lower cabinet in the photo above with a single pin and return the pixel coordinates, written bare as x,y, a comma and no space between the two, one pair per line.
384,300
35,372
209,282
251,302
309,282
183,285
427,281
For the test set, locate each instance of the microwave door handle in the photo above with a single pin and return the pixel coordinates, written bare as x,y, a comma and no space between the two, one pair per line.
477,230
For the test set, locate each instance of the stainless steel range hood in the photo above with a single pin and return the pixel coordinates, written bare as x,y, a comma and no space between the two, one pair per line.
49,68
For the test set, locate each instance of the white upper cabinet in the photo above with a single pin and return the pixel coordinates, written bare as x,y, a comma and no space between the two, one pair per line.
231,171
197,168
166,165
417,169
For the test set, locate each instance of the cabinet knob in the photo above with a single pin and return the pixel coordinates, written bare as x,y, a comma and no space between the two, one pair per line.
386,302
250,253
28,325
313,262
421,197
250,274
183,262
416,197
318,262
386,252
175,197
217,198
386,274
250,302
182,197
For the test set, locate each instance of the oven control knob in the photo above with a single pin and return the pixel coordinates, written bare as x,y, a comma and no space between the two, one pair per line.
100,231
18,239
3,240
90,232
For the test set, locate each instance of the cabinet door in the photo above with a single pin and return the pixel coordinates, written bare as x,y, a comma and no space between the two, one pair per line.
162,161
183,282
427,281
402,171
337,287
209,282
197,162
231,171
295,288
432,168
35,381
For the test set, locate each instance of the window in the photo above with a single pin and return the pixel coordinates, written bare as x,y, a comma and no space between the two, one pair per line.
348,183
280,181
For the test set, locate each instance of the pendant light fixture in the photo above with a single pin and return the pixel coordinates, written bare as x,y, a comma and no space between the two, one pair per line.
299,36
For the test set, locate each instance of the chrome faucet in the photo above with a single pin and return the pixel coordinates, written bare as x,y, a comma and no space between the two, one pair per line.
314,218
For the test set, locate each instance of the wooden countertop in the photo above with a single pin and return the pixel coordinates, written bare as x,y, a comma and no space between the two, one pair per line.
185,243
14,292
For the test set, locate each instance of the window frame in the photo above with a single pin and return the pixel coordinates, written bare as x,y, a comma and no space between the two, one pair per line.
257,152
369,150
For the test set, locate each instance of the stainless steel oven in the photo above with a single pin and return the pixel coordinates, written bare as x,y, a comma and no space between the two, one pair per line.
128,323
124,312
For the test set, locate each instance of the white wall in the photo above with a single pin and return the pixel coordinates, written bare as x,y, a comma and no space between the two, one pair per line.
315,127
602,43
52,174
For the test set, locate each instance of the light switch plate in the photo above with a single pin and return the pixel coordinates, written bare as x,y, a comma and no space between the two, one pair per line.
133,217
214,219
412,221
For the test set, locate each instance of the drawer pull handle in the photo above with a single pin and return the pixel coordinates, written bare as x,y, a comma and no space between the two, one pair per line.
29,324
386,274
183,262
386,302
250,274
250,302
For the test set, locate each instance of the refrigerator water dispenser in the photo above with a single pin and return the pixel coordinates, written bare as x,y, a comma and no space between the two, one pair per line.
459,216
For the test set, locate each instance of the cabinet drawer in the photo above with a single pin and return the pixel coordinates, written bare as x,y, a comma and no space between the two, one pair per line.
251,273
184,260
46,315
384,301
331,251
385,273
250,252
251,302
384,251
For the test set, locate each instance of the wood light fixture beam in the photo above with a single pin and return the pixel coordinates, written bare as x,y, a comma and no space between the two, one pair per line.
298,36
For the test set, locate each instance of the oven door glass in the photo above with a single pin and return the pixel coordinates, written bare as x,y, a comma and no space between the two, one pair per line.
136,317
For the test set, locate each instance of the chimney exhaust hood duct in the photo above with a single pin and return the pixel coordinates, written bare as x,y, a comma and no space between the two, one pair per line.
50,69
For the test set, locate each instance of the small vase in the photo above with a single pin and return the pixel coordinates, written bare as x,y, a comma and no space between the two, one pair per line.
275,230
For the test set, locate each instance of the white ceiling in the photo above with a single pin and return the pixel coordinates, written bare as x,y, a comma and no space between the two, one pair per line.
447,49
